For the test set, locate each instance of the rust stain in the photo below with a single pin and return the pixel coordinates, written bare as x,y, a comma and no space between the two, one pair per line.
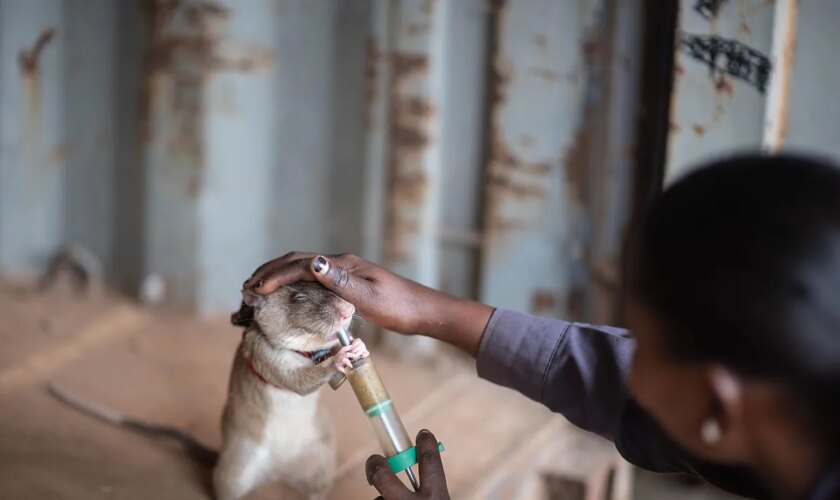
576,302
202,14
742,14
405,64
30,83
577,161
745,29
415,107
541,42
186,44
28,59
673,128
579,157
593,46
508,175
514,188
543,302
415,29
544,73
724,85
503,157
409,138
783,71
59,153
718,114
371,75
699,130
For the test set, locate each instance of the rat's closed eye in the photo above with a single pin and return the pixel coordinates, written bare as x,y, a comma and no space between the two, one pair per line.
298,297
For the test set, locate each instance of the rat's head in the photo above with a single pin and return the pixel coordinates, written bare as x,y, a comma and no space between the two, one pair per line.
302,316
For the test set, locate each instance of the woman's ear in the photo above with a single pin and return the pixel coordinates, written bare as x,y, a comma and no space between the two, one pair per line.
724,431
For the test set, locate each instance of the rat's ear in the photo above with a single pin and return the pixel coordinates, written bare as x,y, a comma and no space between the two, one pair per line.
252,299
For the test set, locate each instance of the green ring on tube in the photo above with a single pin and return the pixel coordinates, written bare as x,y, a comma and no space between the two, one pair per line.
405,459
379,408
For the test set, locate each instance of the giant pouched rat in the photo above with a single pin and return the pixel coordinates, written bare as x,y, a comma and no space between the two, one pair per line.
273,428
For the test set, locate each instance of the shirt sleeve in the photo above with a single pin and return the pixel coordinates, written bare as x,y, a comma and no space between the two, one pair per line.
581,371
575,369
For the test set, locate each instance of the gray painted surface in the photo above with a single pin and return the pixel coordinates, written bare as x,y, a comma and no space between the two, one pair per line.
32,134
713,113
813,107
536,215
274,126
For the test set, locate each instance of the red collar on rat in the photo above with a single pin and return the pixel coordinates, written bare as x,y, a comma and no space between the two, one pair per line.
258,374
316,357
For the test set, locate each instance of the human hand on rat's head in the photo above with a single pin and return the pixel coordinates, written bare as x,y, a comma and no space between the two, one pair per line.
432,478
380,296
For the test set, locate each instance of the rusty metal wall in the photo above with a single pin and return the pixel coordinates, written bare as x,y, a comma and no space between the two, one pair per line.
32,132
752,74
484,147
813,105
561,148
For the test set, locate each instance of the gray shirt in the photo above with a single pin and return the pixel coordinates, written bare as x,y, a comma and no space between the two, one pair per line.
581,371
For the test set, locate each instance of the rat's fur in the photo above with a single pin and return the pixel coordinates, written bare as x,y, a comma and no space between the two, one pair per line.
273,430
277,431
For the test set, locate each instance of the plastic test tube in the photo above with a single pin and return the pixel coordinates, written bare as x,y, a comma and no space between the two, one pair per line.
377,405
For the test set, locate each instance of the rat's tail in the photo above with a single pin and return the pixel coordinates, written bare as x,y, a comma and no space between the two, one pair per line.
193,448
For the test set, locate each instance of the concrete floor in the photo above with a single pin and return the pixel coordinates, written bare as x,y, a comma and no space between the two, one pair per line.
172,369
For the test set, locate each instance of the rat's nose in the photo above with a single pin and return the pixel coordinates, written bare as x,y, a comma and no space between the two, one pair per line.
346,310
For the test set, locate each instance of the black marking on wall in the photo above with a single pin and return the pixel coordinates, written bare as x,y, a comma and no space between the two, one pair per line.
708,8
723,55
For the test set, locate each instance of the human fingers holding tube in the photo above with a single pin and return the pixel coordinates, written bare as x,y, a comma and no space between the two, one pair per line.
432,477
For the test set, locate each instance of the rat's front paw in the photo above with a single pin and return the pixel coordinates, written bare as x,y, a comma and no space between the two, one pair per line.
345,357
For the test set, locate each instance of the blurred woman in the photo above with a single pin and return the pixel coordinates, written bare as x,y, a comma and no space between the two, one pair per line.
732,370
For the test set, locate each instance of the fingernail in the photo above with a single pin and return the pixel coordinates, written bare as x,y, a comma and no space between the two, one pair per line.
425,432
320,264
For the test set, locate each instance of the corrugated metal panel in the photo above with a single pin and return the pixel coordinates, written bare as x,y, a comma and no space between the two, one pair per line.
721,80
414,176
462,148
206,137
614,159
32,135
537,188
752,73
813,106
91,117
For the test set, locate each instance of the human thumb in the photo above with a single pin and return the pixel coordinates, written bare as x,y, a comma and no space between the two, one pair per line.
333,276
